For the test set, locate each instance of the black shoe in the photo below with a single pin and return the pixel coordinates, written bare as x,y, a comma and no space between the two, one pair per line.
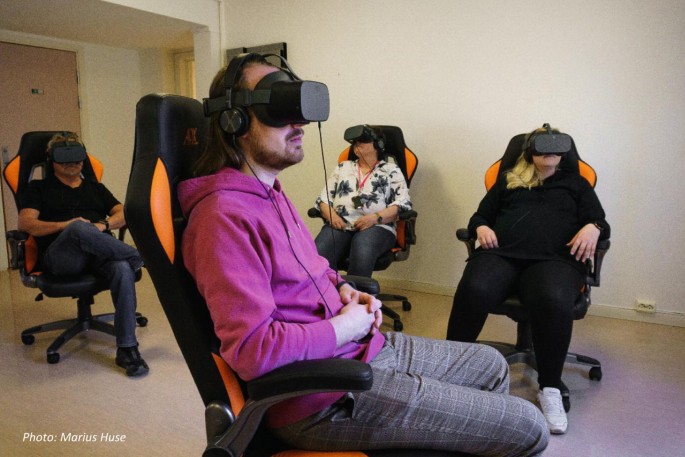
130,359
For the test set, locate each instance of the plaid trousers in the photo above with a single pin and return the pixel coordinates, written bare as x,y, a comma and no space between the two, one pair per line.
429,394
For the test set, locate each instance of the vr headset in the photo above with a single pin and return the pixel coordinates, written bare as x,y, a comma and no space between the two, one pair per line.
279,99
548,142
67,152
361,133
365,134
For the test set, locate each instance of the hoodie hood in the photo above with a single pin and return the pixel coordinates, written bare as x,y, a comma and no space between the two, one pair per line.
192,191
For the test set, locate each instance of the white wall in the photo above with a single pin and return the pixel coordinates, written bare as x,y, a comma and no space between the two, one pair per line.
111,88
207,36
462,77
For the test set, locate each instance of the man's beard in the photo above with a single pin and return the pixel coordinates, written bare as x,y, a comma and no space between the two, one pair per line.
278,160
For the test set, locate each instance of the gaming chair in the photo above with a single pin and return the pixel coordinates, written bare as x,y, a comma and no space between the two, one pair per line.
30,163
397,151
522,351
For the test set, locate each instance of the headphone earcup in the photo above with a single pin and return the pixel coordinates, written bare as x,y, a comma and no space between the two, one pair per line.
525,147
380,145
234,121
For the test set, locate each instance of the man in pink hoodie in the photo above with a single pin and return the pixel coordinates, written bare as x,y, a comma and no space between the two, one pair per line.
275,301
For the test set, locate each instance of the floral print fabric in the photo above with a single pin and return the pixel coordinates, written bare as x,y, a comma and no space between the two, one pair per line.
384,187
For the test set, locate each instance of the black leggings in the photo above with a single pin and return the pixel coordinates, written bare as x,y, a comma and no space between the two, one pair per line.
548,288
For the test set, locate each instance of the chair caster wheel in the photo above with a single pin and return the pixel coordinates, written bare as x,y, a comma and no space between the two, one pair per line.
397,326
596,373
53,358
142,321
28,339
406,306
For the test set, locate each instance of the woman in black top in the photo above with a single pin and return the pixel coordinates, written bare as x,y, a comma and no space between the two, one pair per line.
536,226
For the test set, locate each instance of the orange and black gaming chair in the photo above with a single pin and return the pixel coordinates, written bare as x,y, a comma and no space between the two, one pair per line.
398,152
30,163
169,136
522,351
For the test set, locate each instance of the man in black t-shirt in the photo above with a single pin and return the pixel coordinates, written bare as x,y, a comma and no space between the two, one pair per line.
71,218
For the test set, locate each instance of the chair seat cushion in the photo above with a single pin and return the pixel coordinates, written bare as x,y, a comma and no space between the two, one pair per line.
70,286
514,309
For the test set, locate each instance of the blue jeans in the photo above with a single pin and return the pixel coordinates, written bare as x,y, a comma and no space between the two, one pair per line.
82,247
362,248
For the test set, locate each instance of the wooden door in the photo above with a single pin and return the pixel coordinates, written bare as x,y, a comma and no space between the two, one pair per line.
39,91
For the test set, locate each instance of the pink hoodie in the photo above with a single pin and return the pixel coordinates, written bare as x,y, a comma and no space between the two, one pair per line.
268,291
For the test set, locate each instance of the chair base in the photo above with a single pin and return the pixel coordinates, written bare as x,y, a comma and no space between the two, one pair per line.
515,354
397,324
72,327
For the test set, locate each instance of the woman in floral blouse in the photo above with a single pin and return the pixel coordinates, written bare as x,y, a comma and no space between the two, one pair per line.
360,213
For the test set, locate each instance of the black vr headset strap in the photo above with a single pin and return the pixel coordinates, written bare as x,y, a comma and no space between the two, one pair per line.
288,69
213,105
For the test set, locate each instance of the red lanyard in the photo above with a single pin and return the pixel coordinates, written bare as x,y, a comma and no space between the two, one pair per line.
359,174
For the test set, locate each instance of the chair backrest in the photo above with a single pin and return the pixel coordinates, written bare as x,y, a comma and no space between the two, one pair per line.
169,134
31,163
32,156
571,162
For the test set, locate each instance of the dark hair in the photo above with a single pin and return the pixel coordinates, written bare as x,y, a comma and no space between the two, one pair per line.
220,151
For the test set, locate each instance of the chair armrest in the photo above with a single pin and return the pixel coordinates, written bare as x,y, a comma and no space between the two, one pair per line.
294,380
595,266
326,375
314,212
363,284
409,218
15,246
464,234
407,214
122,232
467,237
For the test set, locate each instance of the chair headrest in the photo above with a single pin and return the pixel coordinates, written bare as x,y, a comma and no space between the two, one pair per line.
32,154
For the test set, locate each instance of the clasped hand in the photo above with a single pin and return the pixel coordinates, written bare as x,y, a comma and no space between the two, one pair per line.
366,221
360,315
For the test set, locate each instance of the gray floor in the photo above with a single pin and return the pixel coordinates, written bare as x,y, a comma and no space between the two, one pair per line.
81,403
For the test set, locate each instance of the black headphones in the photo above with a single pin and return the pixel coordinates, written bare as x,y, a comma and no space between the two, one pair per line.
279,98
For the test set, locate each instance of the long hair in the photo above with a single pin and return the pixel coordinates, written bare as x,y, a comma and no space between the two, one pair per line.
219,151
524,174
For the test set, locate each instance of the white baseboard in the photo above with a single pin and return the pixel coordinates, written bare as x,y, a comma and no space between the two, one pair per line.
659,317
614,312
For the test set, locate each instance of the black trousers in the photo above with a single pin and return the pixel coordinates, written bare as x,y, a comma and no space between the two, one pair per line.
548,288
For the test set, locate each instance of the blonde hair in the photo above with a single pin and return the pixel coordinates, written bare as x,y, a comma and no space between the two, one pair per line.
524,174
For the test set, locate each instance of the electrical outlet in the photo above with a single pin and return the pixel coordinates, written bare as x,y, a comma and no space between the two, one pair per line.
645,306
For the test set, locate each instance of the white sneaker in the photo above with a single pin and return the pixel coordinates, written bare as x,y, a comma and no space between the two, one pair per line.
553,409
